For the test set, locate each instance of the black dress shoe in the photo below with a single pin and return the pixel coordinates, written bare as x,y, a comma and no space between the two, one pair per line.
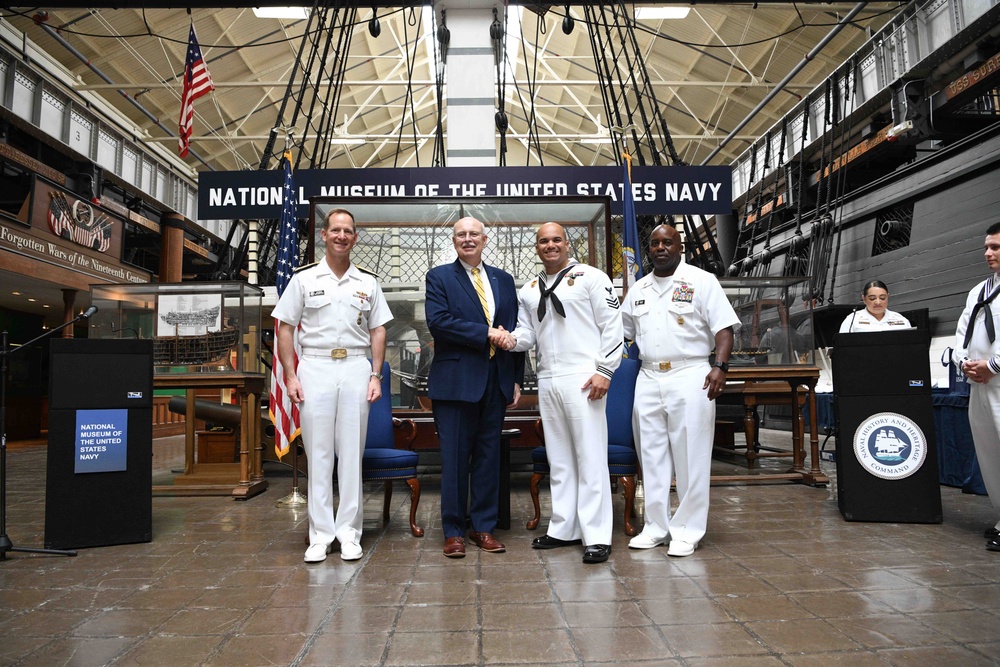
596,553
549,542
990,533
993,545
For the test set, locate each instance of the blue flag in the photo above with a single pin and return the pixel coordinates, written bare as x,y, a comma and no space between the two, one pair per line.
631,266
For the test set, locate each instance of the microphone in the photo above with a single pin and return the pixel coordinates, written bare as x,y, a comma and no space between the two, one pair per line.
87,314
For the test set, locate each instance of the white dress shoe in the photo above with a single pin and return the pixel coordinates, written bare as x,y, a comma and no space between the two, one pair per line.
350,551
680,548
643,541
316,553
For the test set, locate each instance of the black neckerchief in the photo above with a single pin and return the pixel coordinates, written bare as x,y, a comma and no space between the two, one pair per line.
550,293
984,305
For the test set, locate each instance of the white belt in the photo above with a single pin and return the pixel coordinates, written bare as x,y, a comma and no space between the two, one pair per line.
673,365
335,353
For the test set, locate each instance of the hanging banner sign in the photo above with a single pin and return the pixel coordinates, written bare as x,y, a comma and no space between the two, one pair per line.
229,195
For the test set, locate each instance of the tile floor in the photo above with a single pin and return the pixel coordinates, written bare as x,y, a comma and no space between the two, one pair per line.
781,579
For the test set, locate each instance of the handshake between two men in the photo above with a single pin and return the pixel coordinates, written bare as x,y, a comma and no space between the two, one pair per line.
502,338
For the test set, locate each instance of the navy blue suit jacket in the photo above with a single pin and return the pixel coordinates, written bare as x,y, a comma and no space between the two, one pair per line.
461,347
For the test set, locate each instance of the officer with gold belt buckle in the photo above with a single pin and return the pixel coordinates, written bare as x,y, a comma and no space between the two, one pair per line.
677,315
337,311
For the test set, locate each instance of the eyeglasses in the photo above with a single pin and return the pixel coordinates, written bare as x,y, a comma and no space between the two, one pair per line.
469,235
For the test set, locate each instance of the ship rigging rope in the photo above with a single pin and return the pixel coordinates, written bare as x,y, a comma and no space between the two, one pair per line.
842,172
412,21
529,110
822,228
278,124
440,158
802,167
498,36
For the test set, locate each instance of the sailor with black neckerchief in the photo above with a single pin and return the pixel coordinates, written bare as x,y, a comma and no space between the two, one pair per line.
570,313
338,312
977,354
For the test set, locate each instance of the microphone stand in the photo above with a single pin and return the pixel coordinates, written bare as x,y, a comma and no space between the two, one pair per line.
5,351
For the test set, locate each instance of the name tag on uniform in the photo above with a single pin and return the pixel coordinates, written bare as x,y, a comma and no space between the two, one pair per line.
640,302
318,292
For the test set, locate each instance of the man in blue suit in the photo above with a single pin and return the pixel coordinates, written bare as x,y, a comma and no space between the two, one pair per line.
470,306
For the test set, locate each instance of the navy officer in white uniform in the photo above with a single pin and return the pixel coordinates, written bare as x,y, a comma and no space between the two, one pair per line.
338,312
677,315
570,312
876,316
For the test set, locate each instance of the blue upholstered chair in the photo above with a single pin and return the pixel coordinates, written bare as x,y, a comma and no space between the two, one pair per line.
382,462
623,462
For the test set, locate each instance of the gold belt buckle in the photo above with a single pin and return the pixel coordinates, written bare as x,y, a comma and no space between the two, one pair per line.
664,365
338,353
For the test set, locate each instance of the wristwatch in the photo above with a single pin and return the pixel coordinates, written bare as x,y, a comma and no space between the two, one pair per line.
377,375
724,365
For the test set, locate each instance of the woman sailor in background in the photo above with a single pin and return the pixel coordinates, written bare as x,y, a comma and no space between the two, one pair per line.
876,316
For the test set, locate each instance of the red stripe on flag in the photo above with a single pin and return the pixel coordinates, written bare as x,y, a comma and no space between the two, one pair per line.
284,414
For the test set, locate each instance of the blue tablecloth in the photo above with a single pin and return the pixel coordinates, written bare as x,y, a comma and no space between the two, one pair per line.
957,462
824,414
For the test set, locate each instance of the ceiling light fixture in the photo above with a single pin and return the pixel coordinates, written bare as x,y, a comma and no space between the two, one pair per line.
646,13
281,12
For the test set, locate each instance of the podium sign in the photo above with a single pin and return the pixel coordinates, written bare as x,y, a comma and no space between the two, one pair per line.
887,467
99,488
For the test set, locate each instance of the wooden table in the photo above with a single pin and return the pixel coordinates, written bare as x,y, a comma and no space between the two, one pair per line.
753,386
240,480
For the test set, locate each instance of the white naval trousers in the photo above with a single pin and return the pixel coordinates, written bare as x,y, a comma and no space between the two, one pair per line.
984,420
334,421
576,443
675,425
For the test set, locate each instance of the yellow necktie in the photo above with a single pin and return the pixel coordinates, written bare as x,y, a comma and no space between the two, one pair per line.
481,291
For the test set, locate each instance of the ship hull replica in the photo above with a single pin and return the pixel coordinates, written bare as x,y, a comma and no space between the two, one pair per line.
204,347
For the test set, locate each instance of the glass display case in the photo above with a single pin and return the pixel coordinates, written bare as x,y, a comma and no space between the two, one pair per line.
209,327
776,321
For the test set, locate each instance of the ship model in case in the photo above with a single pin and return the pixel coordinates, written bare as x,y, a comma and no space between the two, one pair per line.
206,348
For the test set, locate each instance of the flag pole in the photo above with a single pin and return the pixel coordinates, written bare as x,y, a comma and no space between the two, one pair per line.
295,498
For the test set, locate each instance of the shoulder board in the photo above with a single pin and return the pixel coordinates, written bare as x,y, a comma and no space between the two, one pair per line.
364,270
304,266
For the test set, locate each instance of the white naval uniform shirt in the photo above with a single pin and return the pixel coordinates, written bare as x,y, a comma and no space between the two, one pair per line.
333,313
588,339
677,318
861,321
980,346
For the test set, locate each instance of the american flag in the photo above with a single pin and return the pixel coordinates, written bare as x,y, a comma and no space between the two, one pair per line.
284,414
197,82
60,217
